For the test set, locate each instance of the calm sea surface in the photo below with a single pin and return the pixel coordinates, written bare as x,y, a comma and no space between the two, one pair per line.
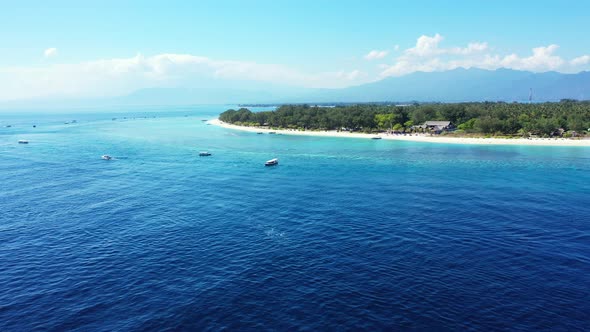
345,234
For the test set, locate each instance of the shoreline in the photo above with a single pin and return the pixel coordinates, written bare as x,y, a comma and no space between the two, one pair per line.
416,137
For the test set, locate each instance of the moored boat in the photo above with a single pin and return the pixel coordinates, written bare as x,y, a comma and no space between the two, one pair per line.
272,162
204,153
376,137
23,141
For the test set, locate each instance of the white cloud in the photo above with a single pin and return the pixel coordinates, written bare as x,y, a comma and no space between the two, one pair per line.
110,77
50,52
375,54
580,61
428,56
429,46
471,48
542,59
426,46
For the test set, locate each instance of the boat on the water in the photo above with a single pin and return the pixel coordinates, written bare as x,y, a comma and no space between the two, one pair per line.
259,133
106,157
272,162
272,133
23,141
204,153
376,137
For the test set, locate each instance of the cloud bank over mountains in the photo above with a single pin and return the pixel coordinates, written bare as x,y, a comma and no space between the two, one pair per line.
111,77
428,56
120,76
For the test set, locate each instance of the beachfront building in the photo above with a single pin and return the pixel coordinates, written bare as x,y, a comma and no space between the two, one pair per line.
436,127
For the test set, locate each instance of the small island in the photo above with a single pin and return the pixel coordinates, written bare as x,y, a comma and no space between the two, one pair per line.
558,123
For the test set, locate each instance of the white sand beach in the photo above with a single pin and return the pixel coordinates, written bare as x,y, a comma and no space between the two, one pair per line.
417,137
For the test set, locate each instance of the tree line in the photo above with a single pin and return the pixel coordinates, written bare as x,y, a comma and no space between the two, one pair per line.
497,118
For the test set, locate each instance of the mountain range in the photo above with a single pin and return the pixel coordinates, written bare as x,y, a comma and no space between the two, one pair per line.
459,85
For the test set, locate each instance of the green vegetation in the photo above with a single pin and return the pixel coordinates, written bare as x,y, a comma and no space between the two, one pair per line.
566,118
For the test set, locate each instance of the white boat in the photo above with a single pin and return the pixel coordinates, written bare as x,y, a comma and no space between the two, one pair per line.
272,162
23,141
106,157
204,153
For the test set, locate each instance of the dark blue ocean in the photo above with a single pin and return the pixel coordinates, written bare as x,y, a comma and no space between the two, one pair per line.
345,234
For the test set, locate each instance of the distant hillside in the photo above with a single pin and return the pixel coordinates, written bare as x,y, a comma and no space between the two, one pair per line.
465,85
180,96
457,85
450,86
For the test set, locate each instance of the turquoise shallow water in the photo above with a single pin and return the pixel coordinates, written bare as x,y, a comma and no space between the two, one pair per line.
343,234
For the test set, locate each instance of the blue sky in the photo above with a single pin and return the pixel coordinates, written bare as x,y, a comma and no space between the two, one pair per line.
63,48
